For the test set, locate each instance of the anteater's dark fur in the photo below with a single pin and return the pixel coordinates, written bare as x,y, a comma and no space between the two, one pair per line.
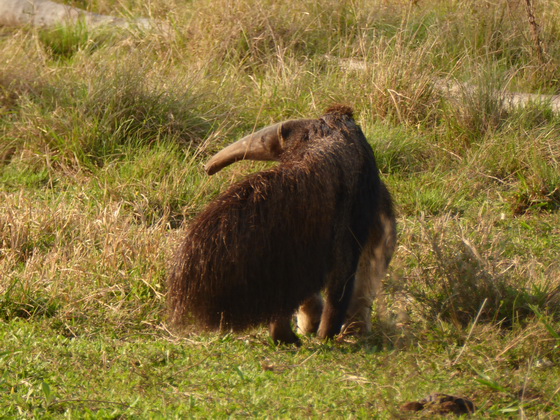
279,236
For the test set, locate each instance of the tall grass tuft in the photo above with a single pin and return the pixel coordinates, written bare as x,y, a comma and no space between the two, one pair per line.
464,276
116,109
62,42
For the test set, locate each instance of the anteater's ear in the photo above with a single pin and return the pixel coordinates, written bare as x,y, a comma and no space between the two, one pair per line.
265,144
291,129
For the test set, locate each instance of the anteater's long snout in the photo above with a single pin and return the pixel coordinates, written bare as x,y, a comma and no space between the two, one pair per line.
265,144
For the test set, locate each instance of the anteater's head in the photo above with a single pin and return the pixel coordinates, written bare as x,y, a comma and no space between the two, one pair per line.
269,143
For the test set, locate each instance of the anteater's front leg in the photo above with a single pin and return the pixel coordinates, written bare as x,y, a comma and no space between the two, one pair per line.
336,305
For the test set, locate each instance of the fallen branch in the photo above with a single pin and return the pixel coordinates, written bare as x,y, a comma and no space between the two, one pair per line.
509,100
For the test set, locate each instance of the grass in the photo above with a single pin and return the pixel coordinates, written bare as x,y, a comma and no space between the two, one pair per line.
102,139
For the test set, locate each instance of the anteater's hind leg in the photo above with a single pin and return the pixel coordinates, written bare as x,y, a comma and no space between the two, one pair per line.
281,331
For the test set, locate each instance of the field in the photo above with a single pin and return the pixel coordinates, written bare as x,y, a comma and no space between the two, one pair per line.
103,137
